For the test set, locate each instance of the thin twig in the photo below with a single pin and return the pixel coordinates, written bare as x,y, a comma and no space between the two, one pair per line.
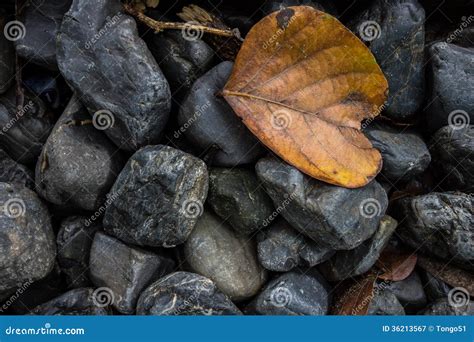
159,26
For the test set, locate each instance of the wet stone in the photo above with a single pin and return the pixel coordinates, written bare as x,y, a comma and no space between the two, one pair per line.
13,172
410,292
157,198
185,293
214,250
334,217
7,58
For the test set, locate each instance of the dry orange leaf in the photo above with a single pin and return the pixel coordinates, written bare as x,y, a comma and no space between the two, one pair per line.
302,83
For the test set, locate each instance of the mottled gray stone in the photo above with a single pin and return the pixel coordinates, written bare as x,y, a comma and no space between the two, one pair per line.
293,293
385,303
102,57
125,270
397,40
24,132
332,216
442,307
27,248
7,58
13,172
158,197
410,292
450,73
184,293
208,121
404,153
439,224
214,250
182,60
354,262
42,20
237,196
74,242
281,248
453,157
78,164
434,287
74,302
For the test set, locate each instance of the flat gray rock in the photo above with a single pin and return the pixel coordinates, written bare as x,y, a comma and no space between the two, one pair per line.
185,293
103,58
334,217
157,198
214,250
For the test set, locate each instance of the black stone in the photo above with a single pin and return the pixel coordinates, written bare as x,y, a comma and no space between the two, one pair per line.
157,198
394,32
440,225
237,196
102,57
452,90
434,287
209,122
385,303
332,216
404,153
453,157
410,292
42,21
354,262
182,60
7,58
13,172
23,132
27,248
293,293
74,302
74,242
184,293
78,164
276,5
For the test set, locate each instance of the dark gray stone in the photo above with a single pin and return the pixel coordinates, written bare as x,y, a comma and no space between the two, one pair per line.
102,57
440,225
452,90
158,197
214,250
13,172
434,288
24,132
208,121
332,216
125,270
74,302
74,242
182,60
442,307
354,262
281,248
42,21
275,5
404,153
293,293
394,31
385,303
27,248
453,157
237,196
410,292
184,293
78,164
7,58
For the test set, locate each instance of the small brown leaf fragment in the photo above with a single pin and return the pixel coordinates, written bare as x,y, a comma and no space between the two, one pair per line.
354,296
450,274
302,83
396,264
